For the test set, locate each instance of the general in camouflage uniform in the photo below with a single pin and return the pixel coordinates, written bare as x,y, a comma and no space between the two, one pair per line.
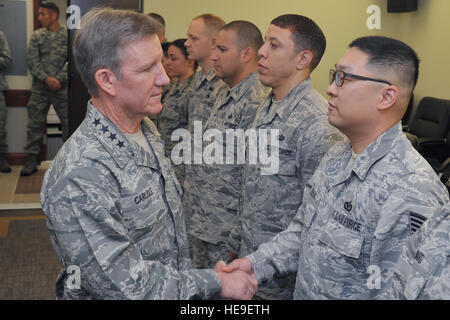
270,200
5,63
356,213
98,189
110,198
423,269
214,189
47,58
174,116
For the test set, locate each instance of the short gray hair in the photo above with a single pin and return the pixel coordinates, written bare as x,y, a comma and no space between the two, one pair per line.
103,34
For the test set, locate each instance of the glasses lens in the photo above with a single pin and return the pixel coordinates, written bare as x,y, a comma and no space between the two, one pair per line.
340,77
331,78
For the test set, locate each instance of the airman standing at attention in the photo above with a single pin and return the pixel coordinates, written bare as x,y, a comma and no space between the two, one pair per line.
270,197
215,187
47,61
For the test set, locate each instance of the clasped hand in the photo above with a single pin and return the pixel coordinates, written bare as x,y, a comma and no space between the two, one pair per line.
238,280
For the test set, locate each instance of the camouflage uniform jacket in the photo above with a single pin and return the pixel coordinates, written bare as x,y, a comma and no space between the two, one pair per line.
47,57
5,61
174,112
201,103
269,202
352,217
215,188
423,270
113,210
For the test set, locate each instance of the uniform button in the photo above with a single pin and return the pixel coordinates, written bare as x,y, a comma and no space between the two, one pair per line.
207,95
230,116
281,138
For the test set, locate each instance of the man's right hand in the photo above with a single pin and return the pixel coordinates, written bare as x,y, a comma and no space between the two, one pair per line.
239,264
53,83
237,284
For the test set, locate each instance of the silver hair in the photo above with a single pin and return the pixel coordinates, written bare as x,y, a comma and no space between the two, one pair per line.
103,34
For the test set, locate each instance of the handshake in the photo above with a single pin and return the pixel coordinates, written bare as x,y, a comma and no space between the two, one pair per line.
238,280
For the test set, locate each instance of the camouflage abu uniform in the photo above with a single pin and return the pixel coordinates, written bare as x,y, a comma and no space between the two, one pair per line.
5,62
269,202
213,196
47,57
423,270
174,116
199,106
201,103
355,214
114,211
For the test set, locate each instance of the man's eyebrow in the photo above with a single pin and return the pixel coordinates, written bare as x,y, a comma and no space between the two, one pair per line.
342,67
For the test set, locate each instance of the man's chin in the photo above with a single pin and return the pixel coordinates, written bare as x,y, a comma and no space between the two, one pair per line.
155,109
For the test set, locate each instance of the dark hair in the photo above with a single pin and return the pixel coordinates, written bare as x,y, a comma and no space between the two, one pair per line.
248,35
394,54
165,46
179,43
306,35
158,18
50,6
212,22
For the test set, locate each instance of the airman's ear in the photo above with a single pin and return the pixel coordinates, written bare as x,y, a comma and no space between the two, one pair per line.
106,80
389,96
247,54
213,42
304,59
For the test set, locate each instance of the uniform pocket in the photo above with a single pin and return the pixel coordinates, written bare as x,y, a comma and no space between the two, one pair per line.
341,239
141,210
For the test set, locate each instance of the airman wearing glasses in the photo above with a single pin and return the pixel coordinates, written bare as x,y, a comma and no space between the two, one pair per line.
368,195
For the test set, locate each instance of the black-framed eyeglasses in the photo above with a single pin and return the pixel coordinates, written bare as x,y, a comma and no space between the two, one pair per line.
338,76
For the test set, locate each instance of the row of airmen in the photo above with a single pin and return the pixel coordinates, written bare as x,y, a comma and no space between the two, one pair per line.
349,193
219,226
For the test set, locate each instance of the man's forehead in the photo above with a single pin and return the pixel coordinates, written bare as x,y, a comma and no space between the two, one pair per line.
352,59
196,26
276,33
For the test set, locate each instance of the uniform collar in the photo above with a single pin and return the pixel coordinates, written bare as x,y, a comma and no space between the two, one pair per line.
242,87
286,105
238,91
186,83
144,158
366,159
117,145
202,77
377,150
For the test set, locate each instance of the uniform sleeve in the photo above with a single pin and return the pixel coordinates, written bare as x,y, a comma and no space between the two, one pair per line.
280,255
34,60
5,54
401,216
85,224
62,75
61,53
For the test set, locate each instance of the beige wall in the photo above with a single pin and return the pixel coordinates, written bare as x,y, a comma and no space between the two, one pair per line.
426,30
